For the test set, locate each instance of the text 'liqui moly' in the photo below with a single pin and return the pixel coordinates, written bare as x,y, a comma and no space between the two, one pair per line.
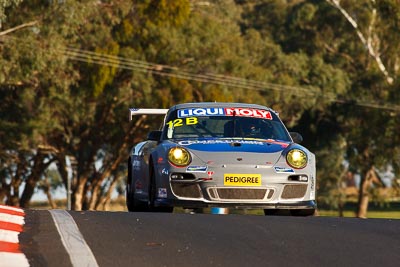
244,112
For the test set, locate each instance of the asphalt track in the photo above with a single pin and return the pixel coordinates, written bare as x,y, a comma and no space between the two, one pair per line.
151,239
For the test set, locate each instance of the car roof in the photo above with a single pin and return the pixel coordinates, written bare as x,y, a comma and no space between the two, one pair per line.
219,105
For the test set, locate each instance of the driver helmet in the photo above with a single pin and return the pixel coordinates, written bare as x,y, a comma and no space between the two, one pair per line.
250,127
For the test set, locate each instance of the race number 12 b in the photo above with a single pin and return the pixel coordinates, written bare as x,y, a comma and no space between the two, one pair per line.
181,122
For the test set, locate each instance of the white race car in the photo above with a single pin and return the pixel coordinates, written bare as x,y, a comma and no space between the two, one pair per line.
229,155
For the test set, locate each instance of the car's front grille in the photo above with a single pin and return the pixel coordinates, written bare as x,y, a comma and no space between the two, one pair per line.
186,190
294,191
249,194
238,193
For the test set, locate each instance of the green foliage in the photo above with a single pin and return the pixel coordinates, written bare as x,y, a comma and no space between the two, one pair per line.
168,12
4,4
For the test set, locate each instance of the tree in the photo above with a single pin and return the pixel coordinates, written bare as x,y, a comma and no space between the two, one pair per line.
360,47
366,138
370,39
30,70
4,4
353,74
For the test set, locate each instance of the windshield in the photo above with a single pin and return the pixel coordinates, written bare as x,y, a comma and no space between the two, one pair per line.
218,122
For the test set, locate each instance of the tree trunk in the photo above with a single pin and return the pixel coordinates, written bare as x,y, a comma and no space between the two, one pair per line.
342,192
104,202
13,194
78,195
97,196
12,188
363,197
38,167
46,189
13,200
94,197
62,169
3,194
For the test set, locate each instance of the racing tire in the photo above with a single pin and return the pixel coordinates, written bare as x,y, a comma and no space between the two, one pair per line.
133,204
152,196
303,212
129,203
128,196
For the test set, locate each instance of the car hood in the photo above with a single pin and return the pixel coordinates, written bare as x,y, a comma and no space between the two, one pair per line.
255,151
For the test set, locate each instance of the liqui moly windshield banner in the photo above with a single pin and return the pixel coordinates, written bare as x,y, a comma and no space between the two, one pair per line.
243,112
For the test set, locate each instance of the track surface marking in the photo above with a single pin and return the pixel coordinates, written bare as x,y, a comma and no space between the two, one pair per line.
72,239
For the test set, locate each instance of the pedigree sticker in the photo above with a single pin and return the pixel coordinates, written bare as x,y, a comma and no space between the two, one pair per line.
241,112
234,179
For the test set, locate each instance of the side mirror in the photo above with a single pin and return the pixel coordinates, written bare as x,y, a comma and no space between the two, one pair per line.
154,136
297,138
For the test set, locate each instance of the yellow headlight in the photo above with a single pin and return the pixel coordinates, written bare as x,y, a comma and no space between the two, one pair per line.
179,156
297,158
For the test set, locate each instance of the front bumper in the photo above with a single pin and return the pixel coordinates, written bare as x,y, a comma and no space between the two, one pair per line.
279,188
309,204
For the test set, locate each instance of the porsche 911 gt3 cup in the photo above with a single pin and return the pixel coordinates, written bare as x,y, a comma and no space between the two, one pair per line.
228,155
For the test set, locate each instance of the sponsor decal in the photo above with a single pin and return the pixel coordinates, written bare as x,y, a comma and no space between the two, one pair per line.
162,192
249,112
180,122
224,145
212,141
196,169
312,182
201,112
164,171
232,179
136,165
244,112
284,170
312,192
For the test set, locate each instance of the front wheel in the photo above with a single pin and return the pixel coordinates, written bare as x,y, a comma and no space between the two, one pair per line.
129,201
132,203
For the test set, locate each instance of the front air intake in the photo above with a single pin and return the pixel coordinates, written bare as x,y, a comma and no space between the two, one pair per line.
187,190
294,191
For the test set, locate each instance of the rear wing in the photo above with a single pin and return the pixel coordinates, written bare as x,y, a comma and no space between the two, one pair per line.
146,111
